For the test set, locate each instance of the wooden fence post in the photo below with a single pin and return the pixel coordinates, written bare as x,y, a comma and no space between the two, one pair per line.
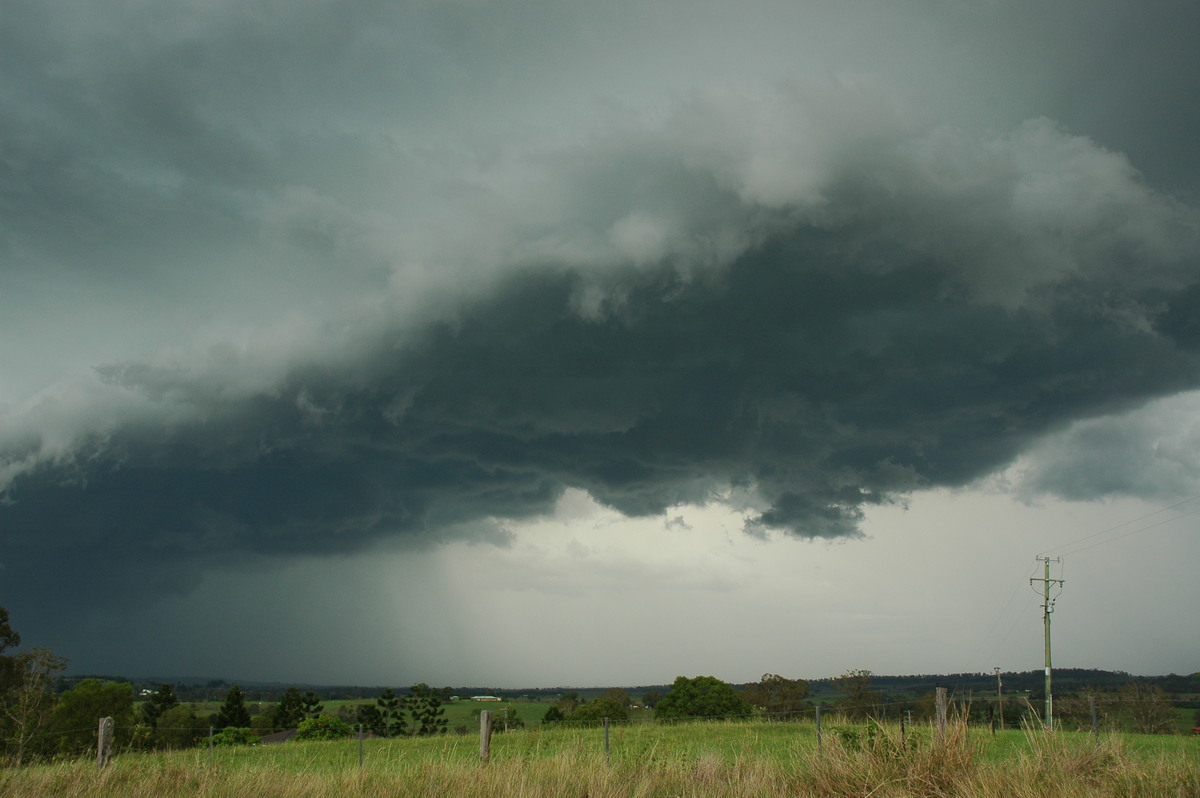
104,738
818,728
1095,722
485,736
941,712
607,749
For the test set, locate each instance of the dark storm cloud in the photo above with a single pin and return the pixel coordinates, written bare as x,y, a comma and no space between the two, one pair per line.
872,335
805,293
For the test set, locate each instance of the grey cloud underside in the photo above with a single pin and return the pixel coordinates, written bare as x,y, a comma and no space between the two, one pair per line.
798,374
731,280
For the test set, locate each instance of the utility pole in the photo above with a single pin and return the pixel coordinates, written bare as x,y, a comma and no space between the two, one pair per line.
1047,608
1000,697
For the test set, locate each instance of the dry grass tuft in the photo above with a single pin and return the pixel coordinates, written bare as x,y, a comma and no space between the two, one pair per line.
884,761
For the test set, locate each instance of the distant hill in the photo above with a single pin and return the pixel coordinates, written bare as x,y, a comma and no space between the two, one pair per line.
1066,680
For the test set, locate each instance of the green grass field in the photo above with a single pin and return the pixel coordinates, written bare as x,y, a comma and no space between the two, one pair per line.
717,759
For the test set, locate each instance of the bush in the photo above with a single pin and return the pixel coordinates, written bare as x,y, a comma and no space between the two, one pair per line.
323,727
233,735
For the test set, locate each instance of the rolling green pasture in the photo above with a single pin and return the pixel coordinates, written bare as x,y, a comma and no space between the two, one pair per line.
652,760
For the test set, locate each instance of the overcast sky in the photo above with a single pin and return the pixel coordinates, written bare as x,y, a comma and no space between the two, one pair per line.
560,343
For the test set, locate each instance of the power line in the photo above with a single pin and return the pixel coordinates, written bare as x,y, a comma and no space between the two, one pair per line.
1017,620
974,658
1131,532
1065,548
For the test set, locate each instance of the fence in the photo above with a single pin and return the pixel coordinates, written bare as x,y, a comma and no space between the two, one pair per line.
1094,714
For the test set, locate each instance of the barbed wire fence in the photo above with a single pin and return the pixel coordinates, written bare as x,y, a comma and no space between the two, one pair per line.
1103,708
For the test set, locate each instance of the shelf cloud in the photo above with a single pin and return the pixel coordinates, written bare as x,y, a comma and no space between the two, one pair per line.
302,280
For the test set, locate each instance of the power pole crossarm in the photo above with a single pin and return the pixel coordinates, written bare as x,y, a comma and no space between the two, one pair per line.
1047,608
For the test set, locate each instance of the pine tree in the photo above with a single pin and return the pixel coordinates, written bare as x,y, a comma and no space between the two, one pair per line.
426,708
311,705
392,710
233,712
370,719
290,710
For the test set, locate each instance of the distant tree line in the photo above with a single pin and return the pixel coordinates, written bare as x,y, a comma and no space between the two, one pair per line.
573,709
700,697
419,713
1127,704
43,715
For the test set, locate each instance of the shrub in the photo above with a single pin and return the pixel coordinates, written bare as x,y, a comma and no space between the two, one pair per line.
233,735
323,727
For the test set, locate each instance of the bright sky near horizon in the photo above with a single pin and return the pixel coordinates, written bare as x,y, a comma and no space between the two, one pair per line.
483,342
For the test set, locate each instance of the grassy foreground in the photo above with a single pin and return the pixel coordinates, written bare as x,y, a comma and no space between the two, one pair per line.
699,759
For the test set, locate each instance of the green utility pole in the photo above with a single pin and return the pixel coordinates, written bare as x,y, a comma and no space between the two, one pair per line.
1047,608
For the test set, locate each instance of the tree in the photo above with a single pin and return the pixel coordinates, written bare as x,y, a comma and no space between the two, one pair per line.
261,724
618,695
650,698
701,697
1147,706
779,697
322,727
160,701
178,727
554,715
8,636
27,698
1075,710
392,712
290,710
596,711
311,704
568,702
425,706
233,713
80,709
370,718
858,699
